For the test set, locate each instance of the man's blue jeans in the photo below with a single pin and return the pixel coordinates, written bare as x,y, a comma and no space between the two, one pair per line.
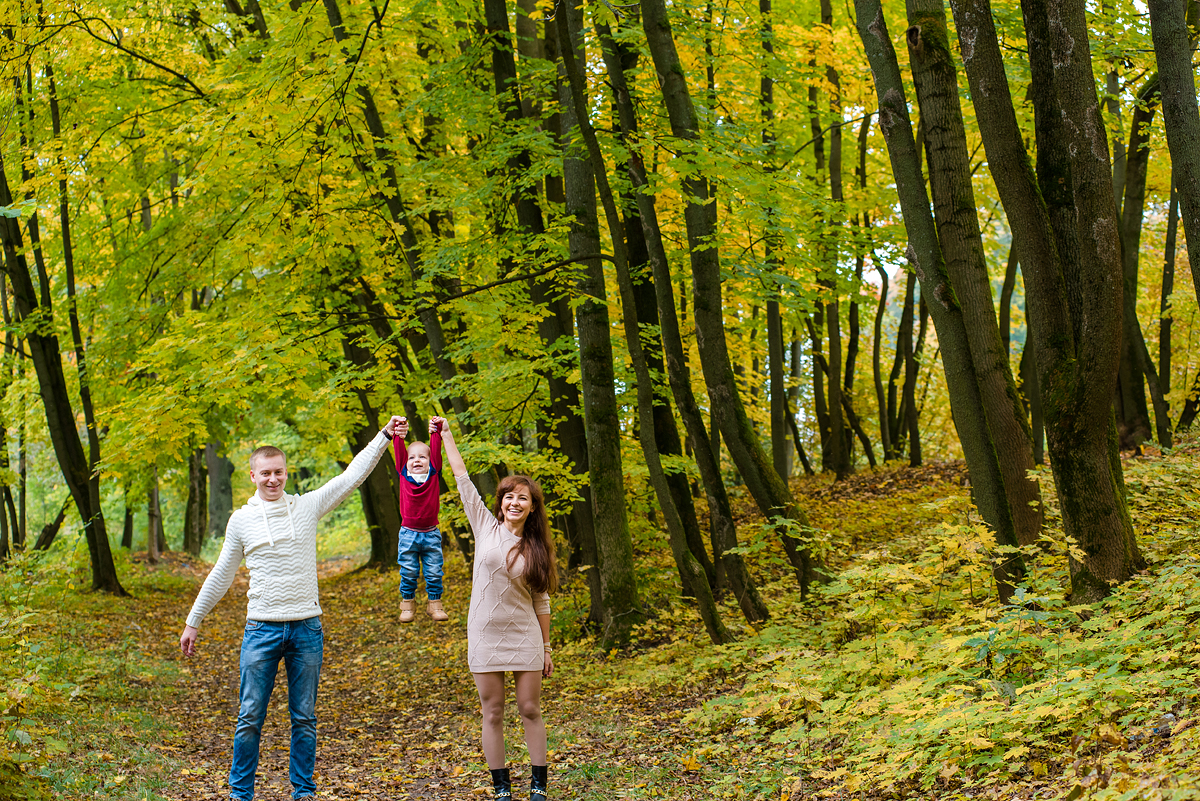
420,550
301,646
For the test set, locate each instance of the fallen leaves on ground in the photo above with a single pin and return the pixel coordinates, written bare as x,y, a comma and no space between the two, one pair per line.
398,716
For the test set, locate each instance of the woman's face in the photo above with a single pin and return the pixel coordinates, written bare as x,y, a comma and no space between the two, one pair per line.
515,506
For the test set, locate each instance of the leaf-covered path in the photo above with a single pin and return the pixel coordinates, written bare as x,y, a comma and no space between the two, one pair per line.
397,711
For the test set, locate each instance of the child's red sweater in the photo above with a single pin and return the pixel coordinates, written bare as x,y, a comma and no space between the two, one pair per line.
419,502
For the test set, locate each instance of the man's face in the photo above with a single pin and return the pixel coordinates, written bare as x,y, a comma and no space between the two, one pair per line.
269,474
418,459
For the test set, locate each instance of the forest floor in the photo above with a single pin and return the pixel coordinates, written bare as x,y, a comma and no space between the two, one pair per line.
873,688
397,710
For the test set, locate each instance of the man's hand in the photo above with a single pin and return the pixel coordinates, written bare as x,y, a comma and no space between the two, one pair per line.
397,425
187,641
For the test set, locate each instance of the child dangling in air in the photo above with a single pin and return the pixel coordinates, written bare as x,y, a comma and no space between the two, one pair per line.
420,546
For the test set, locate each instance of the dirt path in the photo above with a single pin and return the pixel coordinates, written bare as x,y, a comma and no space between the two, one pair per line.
397,711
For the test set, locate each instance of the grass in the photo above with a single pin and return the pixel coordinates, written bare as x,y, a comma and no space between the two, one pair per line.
78,714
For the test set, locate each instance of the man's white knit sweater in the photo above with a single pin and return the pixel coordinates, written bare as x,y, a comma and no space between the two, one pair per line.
278,540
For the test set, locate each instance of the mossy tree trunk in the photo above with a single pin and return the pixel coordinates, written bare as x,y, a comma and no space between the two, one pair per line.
1070,255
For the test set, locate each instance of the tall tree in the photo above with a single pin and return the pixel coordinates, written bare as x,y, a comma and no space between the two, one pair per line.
924,254
1181,116
1070,253
614,546
731,568
30,312
956,217
690,569
770,492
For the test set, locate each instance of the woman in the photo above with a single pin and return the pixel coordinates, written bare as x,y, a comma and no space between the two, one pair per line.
508,626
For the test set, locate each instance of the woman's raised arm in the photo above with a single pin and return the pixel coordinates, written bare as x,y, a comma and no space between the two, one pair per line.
457,466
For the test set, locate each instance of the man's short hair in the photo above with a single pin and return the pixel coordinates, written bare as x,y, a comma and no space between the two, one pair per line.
267,452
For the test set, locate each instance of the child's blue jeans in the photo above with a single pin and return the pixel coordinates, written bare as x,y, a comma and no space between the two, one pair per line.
420,550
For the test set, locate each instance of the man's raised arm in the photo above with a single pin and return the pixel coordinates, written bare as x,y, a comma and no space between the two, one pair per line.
336,490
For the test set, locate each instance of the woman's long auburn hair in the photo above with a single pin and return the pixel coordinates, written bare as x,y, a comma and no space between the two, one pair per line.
536,544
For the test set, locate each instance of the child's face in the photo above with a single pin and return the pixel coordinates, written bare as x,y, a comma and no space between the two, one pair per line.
418,458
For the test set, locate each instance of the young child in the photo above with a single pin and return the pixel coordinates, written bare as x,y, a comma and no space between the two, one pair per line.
419,466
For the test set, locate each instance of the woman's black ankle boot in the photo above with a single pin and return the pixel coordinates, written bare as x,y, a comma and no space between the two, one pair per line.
538,782
501,784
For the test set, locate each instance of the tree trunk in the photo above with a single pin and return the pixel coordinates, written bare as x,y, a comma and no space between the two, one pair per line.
1033,397
841,440
195,519
689,567
769,490
777,382
127,527
816,326
1006,293
881,394
912,411
1168,286
556,329
956,216
1133,420
220,488
779,389
153,520
1181,118
619,591
1072,285
49,531
379,496
860,259
666,435
56,400
987,487
731,568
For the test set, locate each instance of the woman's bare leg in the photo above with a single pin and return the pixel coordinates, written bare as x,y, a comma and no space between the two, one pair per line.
529,704
491,701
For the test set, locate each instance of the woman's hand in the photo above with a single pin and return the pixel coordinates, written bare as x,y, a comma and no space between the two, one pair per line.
548,666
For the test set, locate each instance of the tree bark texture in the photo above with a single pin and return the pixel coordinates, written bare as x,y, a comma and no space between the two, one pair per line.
220,488
1181,116
1070,257
1133,413
1168,286
956,216
621,605
924,253
195,516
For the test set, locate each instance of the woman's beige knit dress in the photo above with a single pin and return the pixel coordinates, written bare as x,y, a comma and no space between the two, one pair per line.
502,625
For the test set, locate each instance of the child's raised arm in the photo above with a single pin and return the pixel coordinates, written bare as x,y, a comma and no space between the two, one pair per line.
453,457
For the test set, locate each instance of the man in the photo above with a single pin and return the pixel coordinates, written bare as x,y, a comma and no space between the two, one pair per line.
276,533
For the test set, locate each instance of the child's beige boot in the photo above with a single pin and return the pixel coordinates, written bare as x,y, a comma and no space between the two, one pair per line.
407,607
436,612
